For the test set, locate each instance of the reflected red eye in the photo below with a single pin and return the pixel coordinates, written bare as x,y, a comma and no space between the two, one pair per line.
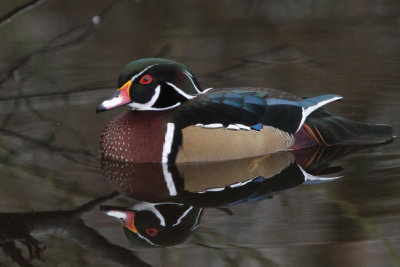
151,231
146,79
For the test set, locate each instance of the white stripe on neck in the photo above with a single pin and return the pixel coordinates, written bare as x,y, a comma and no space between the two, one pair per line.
140,73
179,91
150,207
190,76
183,216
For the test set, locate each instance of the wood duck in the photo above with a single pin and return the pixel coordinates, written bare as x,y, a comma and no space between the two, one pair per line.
181,192
224,183
174,120
156,224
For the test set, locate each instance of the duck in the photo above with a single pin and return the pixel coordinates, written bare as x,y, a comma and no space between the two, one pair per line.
169,202
173,120
156,224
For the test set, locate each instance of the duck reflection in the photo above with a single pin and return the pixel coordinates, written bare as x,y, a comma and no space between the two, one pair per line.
157,224
174,196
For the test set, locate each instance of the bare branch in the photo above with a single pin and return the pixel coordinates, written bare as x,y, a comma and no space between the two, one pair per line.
51,45
45,144
19,10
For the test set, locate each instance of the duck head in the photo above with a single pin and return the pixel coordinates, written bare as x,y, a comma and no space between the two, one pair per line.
153,84
156,224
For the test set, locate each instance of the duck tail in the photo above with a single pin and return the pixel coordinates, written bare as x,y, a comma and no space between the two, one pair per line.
328,129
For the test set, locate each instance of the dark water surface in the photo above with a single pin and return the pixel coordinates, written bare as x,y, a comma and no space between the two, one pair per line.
56,66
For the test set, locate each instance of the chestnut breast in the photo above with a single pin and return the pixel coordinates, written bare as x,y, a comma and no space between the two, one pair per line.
134,137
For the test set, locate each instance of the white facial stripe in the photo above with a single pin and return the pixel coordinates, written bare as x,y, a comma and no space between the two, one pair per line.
150,207
169,138
154,97
180,91
169,181
140,73
115,101
134,107
197,221
189,75
182,216
147,240
148,105
116,214
206,90
152,101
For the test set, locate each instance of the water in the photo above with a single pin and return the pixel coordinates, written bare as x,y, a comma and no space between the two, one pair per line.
57,66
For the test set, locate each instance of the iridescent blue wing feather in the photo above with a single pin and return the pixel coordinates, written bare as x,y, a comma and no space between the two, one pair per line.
251,108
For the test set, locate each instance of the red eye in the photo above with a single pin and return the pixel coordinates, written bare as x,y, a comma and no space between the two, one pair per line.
151,231
146,79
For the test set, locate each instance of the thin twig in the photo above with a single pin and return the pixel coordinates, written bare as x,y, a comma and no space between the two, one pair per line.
42,143
49,48
19,10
